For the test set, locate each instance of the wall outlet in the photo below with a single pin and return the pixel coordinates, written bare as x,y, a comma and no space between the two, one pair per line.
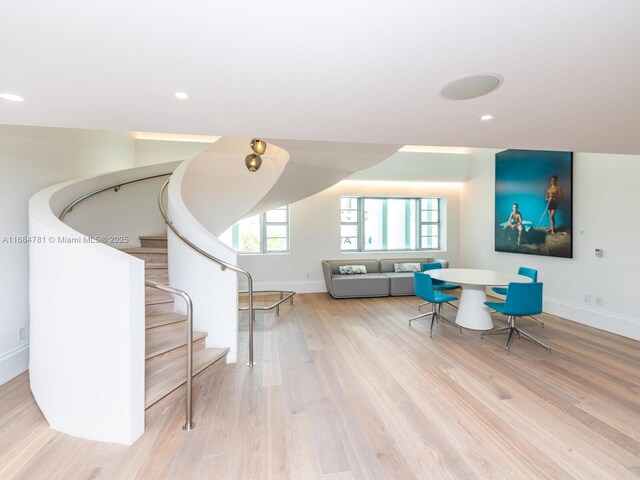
587,298
598,300
307,275
22,333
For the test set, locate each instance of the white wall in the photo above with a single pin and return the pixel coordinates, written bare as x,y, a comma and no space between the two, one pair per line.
121,217
32,158
149,152
315,234
426,167
606,199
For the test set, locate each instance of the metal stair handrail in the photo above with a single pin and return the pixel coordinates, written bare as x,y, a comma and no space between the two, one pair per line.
223,265
115,188
189,425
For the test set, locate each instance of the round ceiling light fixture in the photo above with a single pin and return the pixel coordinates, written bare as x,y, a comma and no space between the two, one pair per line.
486,118
471,86
11,97
181,96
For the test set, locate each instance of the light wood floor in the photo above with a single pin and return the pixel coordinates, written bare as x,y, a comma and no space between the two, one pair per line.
344,389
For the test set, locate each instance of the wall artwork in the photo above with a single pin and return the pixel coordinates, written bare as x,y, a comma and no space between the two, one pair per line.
533,208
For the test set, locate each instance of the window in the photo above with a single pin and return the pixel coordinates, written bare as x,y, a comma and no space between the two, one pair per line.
429,223
370,223
350,229
264,233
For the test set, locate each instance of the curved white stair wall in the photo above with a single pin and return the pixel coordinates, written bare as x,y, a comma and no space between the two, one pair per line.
316,166
87,321
206,195
218,189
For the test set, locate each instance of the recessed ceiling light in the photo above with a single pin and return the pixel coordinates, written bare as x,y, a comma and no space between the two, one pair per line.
11,97
181,96
474,86
484,118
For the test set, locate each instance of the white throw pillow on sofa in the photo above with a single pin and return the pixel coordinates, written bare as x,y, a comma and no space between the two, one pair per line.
406,267
352,269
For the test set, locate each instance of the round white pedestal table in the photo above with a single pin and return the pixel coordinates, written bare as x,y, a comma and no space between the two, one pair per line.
472,312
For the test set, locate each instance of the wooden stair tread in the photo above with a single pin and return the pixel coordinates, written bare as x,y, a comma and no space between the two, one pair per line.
153,237
151,266
160,319
156,298
155,292
165,339
148,254
164,378
132,250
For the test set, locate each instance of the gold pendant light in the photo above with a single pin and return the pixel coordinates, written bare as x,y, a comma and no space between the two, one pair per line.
253,161
258,146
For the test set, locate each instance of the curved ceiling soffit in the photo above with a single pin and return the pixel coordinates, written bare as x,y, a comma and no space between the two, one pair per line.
217,187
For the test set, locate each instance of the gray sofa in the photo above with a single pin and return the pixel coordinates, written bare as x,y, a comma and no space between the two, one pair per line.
379,281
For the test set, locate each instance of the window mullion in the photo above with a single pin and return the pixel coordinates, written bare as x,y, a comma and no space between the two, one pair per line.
385,216
407,223
418,220
360,204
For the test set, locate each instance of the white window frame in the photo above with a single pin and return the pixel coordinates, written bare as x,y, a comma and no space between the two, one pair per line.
360,224
264,224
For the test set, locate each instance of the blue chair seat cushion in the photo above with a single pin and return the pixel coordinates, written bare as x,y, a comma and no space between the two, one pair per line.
497,306
443,297
500,290
445,285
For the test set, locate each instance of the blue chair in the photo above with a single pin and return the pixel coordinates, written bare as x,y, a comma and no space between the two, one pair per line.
523,299
527,272
440,285
423,288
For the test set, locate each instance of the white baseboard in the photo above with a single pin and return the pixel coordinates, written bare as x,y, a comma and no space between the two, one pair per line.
302,286
603,320
14,362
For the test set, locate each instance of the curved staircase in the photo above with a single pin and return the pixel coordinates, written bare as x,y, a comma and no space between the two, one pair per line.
165,330
88,338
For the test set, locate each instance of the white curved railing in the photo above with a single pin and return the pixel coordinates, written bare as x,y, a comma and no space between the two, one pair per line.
86,320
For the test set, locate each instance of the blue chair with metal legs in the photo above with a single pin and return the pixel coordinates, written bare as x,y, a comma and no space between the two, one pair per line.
423,287
527,272
523,300
439,285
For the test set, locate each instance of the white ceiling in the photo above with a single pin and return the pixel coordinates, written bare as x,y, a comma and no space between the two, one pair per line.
336,70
